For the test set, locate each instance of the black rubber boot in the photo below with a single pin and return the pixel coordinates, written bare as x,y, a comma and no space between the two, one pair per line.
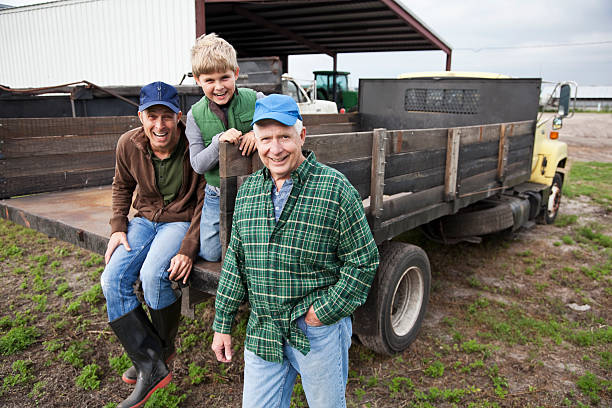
166,323
144,348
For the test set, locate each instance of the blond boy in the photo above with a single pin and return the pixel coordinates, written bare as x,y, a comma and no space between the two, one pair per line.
224,114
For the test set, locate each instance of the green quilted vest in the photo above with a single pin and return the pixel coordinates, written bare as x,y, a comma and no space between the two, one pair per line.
239,116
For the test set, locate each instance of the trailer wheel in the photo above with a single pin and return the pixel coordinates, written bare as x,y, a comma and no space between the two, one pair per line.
404,280
550,212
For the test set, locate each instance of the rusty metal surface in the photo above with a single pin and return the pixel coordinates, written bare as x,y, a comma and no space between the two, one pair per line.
86,209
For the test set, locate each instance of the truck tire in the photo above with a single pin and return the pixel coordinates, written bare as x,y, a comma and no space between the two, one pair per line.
485,217
551,209
402,295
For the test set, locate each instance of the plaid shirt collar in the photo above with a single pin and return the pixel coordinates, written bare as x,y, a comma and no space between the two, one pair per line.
299,175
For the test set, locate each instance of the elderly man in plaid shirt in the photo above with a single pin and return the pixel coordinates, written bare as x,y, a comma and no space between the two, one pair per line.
303,255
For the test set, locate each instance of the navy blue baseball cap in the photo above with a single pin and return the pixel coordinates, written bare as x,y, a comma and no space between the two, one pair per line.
159,93
281,108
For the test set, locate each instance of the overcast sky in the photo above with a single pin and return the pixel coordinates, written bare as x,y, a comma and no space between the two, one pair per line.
556,40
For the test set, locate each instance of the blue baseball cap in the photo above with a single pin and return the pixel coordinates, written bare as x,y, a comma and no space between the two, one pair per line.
159,93
281,108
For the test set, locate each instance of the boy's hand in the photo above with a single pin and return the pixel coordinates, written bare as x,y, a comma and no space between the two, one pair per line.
230,136
247,144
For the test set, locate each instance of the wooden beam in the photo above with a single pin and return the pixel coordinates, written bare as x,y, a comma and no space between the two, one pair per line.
287,33
200,17
452,161
377,178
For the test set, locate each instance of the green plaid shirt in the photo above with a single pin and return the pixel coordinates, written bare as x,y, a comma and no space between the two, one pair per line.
320,252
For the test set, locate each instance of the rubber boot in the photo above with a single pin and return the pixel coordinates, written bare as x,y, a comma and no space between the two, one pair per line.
166,323
144,348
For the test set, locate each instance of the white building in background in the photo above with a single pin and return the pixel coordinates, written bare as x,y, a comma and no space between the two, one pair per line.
589,97
107,42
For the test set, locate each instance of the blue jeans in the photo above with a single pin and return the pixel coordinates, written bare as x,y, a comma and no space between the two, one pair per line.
153,245
324,370
210,245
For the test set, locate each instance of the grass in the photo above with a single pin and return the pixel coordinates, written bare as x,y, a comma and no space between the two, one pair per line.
591,179
17,339
88,379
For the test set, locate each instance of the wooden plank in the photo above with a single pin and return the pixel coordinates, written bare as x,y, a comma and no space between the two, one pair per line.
502,155
45,145
416,140
414,182
521,141
377,176
311,119
327,128
35,127
452,160
412,162
400,204
13,186
340,147
43,165
475,167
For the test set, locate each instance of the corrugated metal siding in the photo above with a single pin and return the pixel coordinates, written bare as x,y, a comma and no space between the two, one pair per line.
107,42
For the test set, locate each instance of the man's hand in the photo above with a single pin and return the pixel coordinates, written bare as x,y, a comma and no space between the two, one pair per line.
247,144
117,238
311,318
230,136
180,267
222,346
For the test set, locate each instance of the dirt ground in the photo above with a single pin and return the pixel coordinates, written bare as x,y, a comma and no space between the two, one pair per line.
521,320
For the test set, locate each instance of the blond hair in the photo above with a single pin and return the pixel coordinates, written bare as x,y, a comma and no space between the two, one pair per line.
212,54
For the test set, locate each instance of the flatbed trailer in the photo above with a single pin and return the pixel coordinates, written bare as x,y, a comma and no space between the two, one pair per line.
408,177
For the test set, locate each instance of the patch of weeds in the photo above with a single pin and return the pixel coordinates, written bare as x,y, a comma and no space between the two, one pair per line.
563,220
74,353
197,374
187,342
472,346
525,254
598,271
119,364
480,303
55,264
37,390
567,240
541,286
94,260
474,282
591,179
61,252
366,355
18,270
11,251
73,307
17,339
167,397
591,386
472,366
606,360
111,405
399,385
41,302
596,237
61,289
88,379
95,274
499,382
435,369
529,271
588,338
52,345
360,393
93,295
21,375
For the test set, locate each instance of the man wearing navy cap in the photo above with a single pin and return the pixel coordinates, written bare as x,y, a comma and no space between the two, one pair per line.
303,255
158,245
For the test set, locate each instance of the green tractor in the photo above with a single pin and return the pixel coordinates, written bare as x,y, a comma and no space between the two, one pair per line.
325,84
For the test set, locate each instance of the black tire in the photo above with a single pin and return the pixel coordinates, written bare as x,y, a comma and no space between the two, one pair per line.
401,297
550,208
485,217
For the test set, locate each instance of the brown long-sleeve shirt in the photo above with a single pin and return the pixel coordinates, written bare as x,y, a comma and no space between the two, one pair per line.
134,171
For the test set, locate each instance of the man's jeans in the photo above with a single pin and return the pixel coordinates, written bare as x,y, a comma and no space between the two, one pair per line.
153,245
210,245
324,370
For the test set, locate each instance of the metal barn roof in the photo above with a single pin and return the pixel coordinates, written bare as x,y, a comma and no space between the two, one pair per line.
293,27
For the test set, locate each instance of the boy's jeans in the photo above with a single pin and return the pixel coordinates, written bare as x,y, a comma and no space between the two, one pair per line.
153,245
210,245
324,370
